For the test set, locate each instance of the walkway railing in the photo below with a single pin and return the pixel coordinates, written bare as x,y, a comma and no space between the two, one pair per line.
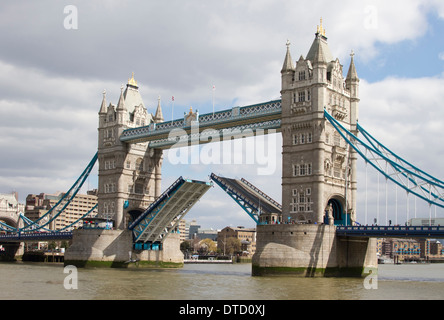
35,236
391,231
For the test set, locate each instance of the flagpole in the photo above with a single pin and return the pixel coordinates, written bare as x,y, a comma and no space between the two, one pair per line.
214,88
172,110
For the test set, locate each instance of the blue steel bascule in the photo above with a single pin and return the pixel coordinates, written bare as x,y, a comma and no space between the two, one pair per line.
130,157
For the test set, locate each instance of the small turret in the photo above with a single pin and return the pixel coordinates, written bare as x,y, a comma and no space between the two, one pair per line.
158,117
288,62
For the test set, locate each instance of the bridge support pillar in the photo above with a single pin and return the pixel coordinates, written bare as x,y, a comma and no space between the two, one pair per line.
311,250
114,248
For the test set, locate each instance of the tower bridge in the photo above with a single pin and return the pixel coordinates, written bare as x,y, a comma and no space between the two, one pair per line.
314,231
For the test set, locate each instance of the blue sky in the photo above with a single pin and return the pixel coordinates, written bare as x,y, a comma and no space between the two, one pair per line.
52,78
411,58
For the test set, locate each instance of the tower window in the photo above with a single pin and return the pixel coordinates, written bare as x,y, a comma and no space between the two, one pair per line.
301,96
301,75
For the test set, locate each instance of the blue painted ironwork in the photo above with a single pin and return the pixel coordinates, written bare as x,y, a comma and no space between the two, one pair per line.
163,215
402,173
249,199
60,206
35,236
64,201
259,116
391,231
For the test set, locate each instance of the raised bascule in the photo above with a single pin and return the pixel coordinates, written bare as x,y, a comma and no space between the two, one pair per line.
313,232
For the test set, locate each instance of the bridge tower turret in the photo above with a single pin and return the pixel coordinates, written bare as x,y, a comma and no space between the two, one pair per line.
318,171
129,175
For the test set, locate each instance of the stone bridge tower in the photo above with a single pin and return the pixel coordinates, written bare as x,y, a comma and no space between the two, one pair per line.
319,168
129,174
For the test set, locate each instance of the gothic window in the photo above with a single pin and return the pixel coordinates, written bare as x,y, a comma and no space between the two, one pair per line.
301,96
128,164
308,94
295,139
302,170
301,201
294,205
309,137
301,197
301,75
302,137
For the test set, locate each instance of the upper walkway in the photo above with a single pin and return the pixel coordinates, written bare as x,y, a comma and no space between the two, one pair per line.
193,127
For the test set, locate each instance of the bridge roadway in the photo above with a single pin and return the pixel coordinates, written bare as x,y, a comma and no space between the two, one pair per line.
349,231
35,236
391,231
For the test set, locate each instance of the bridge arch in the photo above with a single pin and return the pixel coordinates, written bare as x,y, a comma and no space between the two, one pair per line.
337,205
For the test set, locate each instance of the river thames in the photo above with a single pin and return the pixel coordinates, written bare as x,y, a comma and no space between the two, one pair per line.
35,281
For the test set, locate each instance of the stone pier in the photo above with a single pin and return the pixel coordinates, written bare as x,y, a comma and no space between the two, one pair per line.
114,248
311,250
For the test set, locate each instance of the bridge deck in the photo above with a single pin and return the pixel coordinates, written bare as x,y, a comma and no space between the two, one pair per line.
35,236
163,215
392,231
250,198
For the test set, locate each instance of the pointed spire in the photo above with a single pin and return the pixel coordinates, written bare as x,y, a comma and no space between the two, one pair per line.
288,62
158,117
352,74
319,56
319,50
121,103
103,106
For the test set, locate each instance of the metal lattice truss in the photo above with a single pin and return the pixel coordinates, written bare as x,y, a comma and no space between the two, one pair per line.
164,214
56,210
251,199
391,166
235,122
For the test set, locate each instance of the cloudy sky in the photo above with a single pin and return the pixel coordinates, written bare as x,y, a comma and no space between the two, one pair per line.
57,57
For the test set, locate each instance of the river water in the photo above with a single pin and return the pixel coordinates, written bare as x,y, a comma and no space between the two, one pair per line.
34,281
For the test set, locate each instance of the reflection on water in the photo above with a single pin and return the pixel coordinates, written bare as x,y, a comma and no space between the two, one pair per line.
214,282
